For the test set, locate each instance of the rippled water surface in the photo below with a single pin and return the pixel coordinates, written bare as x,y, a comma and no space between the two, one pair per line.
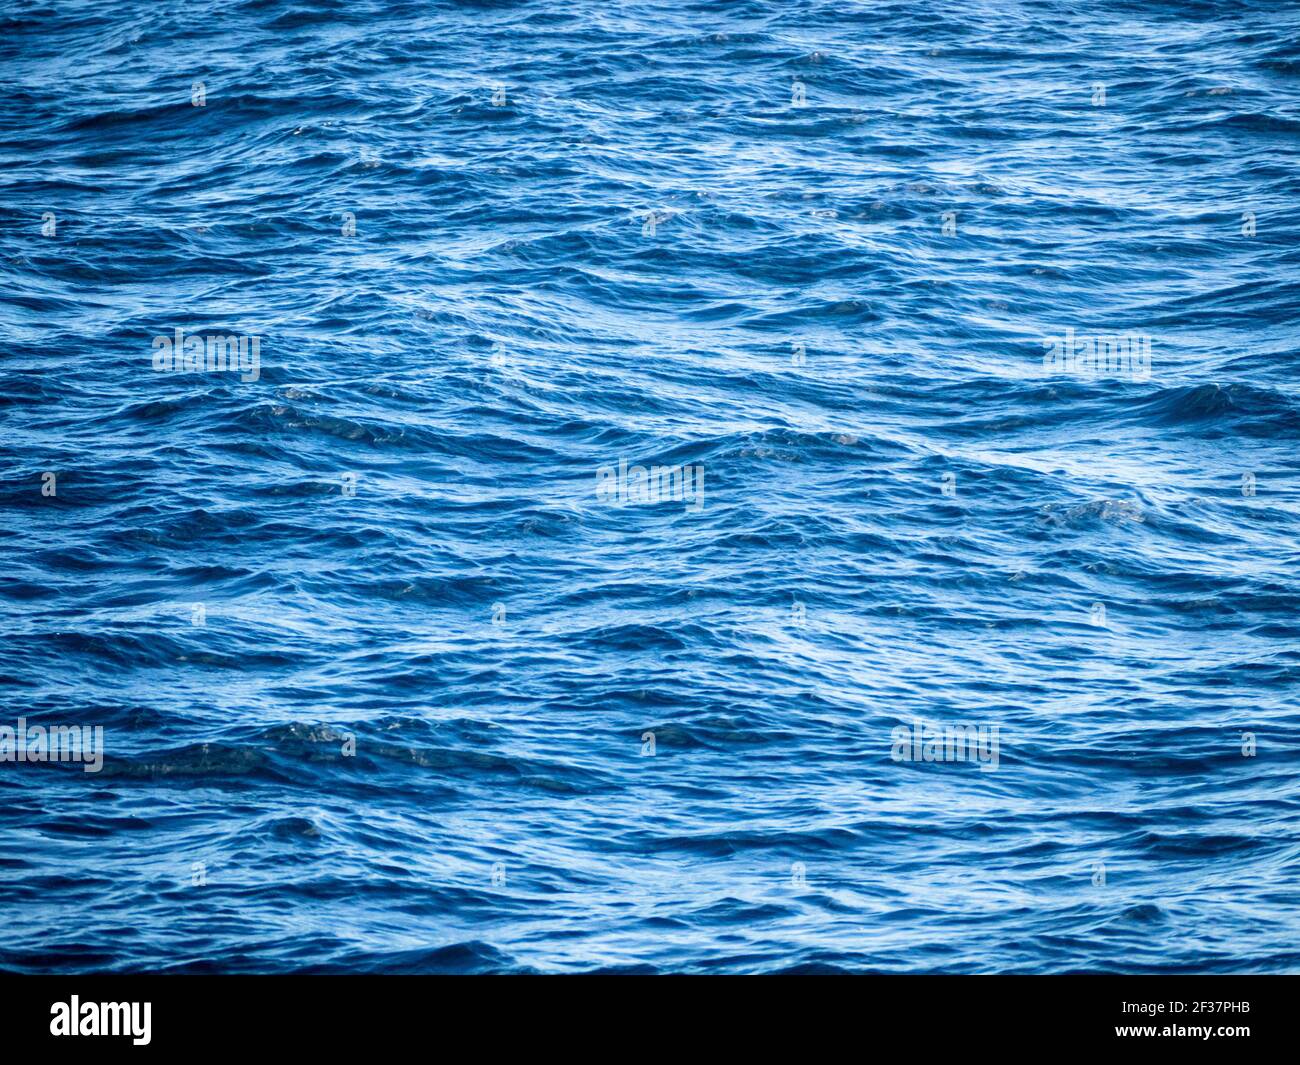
387,684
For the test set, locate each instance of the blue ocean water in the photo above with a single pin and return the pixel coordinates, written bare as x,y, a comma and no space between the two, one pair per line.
400,663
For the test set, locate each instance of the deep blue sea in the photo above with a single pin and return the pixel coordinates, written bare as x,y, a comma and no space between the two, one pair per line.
654,486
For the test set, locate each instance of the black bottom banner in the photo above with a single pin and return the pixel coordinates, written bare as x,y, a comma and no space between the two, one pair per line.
787,1014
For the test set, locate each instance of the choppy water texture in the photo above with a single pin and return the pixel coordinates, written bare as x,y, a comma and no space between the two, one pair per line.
505,321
